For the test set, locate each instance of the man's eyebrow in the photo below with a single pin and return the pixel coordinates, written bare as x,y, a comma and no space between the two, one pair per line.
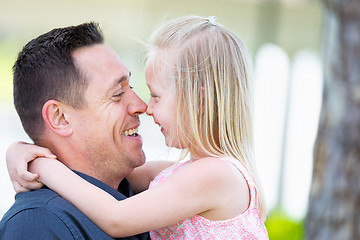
117,82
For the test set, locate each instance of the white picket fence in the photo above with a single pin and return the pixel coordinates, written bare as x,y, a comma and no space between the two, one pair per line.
288,96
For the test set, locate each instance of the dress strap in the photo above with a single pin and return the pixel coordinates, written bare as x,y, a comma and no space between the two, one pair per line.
242,169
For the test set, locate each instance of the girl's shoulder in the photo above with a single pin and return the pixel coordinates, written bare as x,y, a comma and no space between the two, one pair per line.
226,182
212,173
219,166
203,167
221,173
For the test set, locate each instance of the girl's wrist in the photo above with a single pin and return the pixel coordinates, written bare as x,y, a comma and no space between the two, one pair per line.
44,167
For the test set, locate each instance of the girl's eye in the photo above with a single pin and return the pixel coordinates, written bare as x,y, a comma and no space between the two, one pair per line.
153,95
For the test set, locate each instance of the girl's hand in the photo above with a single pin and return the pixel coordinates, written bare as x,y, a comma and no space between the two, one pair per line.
18,155
48,170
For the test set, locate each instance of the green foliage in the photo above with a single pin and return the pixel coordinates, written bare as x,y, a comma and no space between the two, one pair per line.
6,62
282,227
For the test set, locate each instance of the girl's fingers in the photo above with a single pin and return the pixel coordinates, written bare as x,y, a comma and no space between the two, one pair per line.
19,188
30,185
25,175
40,152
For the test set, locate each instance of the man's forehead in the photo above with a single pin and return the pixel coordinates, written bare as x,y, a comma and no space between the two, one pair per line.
101,65
96,54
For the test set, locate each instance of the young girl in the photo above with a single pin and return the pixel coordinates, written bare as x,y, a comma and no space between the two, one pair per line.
201,97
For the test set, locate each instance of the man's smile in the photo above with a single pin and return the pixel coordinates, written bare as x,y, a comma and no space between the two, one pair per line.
131,132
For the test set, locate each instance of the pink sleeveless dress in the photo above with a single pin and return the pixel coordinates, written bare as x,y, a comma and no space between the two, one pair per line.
247,225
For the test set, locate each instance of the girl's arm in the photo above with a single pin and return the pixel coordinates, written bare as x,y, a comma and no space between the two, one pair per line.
141,177
18,155
191,190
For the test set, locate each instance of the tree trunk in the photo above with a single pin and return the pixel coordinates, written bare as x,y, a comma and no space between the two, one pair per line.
334,205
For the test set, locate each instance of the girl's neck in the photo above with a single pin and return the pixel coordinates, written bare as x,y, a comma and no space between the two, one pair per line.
194,157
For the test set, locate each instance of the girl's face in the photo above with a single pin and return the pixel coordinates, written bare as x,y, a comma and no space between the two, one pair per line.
162,104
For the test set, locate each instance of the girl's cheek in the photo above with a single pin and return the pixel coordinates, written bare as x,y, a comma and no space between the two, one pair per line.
154,112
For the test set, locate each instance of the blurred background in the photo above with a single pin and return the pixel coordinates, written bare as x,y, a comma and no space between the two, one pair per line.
283,39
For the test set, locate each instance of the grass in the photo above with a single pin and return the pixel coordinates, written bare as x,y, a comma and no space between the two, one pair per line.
282,227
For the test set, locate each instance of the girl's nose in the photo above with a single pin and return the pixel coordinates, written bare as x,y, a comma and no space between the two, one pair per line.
149,110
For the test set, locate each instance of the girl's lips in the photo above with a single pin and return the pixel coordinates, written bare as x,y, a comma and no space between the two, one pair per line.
161,128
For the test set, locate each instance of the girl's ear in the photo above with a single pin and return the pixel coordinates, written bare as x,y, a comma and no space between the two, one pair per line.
54,114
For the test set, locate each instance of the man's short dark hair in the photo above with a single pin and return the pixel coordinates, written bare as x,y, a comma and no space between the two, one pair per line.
45,69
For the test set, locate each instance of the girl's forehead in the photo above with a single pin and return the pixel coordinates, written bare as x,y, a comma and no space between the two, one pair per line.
154,75
158,67
163,56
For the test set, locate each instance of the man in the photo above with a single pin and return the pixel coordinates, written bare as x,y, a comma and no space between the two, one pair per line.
73,97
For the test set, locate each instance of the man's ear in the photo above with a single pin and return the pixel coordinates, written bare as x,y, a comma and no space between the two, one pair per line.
54,114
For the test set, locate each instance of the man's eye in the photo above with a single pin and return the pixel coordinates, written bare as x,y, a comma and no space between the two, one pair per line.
131,87
118,95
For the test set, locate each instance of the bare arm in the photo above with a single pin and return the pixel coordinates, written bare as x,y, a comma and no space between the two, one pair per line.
187,192
18,155
141,177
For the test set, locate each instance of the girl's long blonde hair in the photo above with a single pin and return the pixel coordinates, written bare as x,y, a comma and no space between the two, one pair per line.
212,82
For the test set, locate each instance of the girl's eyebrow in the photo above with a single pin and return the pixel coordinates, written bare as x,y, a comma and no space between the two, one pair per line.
148,86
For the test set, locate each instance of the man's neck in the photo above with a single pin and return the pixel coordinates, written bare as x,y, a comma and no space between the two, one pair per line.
74,157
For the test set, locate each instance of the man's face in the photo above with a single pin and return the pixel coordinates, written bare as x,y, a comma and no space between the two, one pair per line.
106,127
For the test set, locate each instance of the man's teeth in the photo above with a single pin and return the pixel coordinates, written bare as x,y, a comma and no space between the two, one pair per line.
131,131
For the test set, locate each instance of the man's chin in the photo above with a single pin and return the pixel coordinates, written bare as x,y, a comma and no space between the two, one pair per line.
140,159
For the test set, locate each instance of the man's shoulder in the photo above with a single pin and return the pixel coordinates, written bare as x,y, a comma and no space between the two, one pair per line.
35,215
39,203
39,199
43,214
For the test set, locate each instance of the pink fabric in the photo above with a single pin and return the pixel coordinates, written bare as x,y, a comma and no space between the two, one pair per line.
247,225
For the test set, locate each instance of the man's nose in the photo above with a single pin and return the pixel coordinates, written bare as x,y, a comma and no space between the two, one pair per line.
137,106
